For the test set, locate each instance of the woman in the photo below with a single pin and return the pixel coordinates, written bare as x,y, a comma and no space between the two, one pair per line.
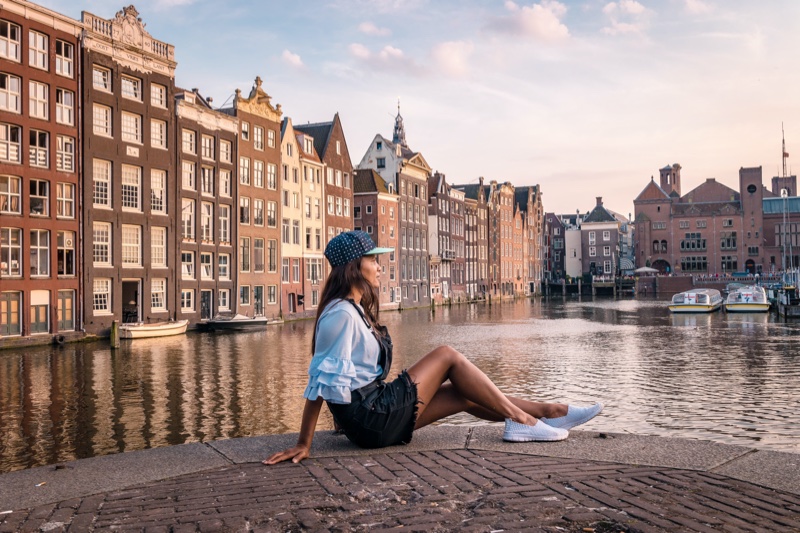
352,357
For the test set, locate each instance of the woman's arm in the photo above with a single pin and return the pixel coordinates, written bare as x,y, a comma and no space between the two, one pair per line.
303,447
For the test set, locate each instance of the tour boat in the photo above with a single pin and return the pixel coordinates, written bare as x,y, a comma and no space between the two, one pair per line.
236,323
696,301
747,299
139,330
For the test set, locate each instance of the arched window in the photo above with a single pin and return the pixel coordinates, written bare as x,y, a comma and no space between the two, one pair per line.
656,247
664,246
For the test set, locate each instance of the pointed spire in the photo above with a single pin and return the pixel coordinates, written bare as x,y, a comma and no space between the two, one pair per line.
399,135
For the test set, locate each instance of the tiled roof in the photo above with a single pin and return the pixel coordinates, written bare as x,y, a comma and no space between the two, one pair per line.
320,131
470,191
600,214
368,180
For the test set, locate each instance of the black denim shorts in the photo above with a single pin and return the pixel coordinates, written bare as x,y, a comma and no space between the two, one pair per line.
380,414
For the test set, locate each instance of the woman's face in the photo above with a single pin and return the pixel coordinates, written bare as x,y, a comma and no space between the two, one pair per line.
371,270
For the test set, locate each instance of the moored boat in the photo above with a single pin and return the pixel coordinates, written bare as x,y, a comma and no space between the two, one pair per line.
139,330
237,323
747,299
696,301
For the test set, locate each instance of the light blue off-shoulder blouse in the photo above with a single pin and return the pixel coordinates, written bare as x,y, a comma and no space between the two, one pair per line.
346,355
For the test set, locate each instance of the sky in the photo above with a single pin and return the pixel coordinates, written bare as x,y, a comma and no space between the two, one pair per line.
586,98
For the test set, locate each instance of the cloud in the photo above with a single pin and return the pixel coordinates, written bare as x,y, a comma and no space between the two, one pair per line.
540,21
626,17
453,57
371,29
292,59
389,58
696,7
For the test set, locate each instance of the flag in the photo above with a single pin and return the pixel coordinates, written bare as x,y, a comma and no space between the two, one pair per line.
785,154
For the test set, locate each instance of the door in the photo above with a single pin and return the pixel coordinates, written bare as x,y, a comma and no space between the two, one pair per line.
66,310
130,301
258,300
206,304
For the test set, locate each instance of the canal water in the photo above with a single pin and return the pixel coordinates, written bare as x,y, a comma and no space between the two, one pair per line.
727,378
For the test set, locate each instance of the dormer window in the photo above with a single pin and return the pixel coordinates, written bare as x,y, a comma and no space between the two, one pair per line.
309,145
379,145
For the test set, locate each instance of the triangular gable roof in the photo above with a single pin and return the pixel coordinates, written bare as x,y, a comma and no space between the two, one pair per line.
652,191
600,214
711,191
367,180
417,159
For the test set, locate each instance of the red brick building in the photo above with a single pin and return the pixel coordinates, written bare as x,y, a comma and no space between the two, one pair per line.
39,173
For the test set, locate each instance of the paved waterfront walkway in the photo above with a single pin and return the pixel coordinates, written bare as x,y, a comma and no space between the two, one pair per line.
449,479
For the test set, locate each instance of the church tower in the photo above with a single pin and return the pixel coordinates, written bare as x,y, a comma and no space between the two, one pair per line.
399,135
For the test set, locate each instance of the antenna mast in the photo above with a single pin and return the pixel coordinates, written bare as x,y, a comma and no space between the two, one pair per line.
784,153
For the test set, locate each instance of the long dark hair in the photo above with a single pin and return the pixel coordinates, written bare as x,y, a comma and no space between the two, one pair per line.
340,282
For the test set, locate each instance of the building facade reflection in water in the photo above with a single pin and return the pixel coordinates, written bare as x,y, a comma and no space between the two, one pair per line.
730,378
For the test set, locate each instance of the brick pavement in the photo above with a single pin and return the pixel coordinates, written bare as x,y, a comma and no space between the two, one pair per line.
430,491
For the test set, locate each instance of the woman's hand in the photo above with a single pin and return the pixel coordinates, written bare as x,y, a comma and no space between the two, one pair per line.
296,454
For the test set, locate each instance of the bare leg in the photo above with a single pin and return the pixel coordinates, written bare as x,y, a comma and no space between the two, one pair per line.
471,384
448,401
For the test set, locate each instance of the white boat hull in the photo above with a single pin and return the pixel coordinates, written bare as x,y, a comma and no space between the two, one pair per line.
747,308
694,308
147,331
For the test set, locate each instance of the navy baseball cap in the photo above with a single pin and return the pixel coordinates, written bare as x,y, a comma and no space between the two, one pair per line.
351,245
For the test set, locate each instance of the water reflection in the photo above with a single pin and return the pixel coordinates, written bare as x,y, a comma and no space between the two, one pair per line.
730,378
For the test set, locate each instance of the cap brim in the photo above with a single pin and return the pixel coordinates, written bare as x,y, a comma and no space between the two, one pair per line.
376,251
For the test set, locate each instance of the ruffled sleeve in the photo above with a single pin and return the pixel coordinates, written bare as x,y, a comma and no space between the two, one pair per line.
332,371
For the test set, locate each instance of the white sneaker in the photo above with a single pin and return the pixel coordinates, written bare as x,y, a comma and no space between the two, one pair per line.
540,432
575,416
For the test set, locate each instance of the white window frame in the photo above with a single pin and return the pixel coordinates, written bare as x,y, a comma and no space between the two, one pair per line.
65,58
158,133
187,300
258,138
258,212
187,264
101,296
158,247
10,40
65,200
272,177
130,88
225,183
10,143
131,197
225,224
38,50
10,92
207,222
244,170
207,147
206,266
39,148
101,78
188,141
187,219
207,181
258,173
158,295
39,99
65,106
11,252
188,175
101,183
224,299
131,246
101,244
39,190
158,95
131,127
225,151
102,121
10,194
39,244
224,265
65,153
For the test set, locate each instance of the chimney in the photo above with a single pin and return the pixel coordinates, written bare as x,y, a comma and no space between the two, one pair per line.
599,201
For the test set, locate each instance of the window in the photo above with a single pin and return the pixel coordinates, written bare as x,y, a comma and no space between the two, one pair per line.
258,255
606,235
225,183
347,207
244,210
258,138
207,180
244,171
37,51
187,219
258,212
295,232
245,131
727,222
285,268
381,162
65,154
101,120
296,270
244,254
131,127
592,237
225,152
38,99
224,297
659,225
258,174
683,224
285,231
158,294
244,295
224,224
158,191
9,40
330,205
224,266
207,222
10,141
188,142
188,175
187,265
272,176
101,296
131,245
131,88
158,247
10,252
357,211
158,95
65,58
39,197
592,251
272,255
272,214
207,147
10,194
10,95
39,150
606,251
187,300
101,244
131,188
65,200
206,265
158,134
101,183
101,78
330,176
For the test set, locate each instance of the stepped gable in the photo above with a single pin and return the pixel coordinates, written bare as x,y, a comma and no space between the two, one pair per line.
368,180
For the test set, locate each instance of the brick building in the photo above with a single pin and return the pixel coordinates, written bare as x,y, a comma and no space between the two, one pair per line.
40,235
128,214
476,242
500,209
206,143
554,248
528,200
